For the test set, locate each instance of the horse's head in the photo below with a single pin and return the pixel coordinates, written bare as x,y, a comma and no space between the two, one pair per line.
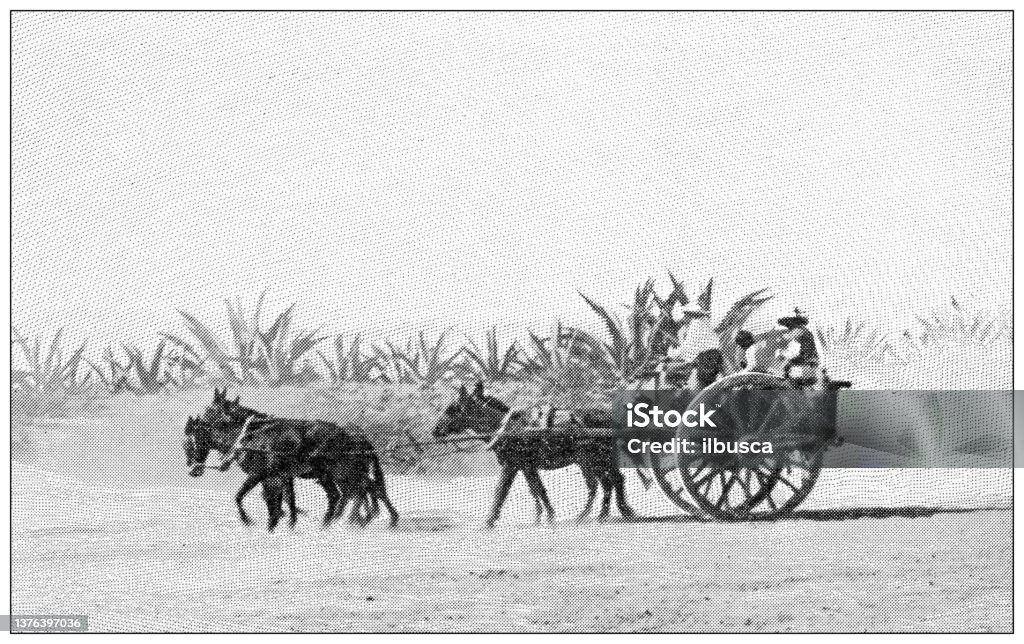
471,413
224,411
197,445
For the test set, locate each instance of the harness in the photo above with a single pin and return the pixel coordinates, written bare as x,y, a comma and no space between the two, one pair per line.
232,453
237,446
548,420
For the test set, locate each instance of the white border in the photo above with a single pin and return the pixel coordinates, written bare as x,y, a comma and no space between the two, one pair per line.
528,4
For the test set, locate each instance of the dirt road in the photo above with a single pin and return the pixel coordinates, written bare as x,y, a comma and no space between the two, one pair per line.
178,559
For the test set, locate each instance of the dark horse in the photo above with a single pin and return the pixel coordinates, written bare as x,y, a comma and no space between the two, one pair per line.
273,451
597,457
202,437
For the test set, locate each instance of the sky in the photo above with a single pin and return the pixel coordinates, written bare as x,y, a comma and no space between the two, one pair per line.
398,172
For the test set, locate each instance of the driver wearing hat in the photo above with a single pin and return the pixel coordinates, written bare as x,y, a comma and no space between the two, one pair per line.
799,354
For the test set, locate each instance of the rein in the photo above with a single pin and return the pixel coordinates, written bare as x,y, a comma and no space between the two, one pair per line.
390,450
237,445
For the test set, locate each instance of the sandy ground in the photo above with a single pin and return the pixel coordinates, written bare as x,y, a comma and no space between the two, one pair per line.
123,535
873,550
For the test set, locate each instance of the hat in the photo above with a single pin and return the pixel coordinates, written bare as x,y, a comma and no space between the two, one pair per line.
744,339
798,319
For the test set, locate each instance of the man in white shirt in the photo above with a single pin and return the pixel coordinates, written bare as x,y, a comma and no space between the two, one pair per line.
788,350
696,360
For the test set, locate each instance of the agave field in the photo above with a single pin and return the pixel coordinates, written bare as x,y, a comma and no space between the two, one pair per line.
266,350
100,481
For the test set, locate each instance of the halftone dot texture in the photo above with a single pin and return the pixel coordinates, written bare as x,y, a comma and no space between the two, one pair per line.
393,173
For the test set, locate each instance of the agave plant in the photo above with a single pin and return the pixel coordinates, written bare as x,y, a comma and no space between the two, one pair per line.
49,373
852,343
113,373
282,357
350,364
733,321
184,367
561,362
491,363
635,346
272,357
137,374
964,323
48,380
421,362
666,327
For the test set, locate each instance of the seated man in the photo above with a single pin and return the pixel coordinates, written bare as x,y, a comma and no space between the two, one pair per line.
788,350
696,361
799,352
760,353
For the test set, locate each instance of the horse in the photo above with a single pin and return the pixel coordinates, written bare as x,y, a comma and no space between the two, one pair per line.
342,460
201,438
597,457
314,449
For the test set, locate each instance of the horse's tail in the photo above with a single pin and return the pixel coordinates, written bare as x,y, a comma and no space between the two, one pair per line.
378,471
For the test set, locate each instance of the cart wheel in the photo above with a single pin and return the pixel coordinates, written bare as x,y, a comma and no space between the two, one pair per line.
666,473
774,485
795,474
740,493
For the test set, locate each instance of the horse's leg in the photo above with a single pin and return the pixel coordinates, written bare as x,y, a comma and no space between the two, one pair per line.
591,480
289,496
359,491
619,481
372,504
252,481
378,491
639,462
606,501
273,490
327,483
339,510
382,494
362,510
505,480
367,506
533,474
538,507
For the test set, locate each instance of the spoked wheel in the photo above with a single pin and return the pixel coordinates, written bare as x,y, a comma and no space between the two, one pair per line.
728,487
668,477
773,490
795,474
